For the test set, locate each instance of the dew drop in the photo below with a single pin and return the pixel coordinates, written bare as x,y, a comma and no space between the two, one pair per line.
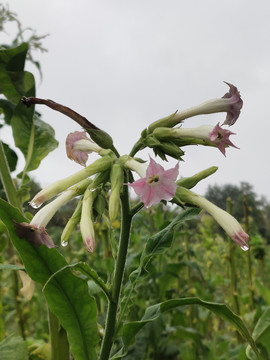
34,205
64,243
244,247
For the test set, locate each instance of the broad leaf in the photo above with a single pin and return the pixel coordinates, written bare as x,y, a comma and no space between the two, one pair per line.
67,295
153,312
14,81
13,348
87,271
11,157
261,335
31,135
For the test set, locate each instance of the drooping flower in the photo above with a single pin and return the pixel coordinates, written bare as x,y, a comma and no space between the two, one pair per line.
230,225
220,137
157,185
78,146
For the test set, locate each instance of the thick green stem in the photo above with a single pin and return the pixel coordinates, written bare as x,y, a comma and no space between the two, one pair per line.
7,181
59,342
110,326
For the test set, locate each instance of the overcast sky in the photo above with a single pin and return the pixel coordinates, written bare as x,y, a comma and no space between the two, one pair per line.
124,64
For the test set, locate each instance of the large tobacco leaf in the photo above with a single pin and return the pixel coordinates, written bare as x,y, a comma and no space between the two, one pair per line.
66,294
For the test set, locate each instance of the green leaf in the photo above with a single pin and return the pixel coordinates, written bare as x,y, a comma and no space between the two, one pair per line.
11,156
261,335
66,294
155,245
6,108
14,82
153,312
87,271
35,143
31,135
161,242
13,348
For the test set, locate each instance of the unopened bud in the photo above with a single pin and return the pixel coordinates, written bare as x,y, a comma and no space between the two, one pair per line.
117,179
191,181
86,223
71,224
101,138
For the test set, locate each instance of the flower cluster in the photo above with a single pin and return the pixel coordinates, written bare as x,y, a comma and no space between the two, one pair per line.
112,172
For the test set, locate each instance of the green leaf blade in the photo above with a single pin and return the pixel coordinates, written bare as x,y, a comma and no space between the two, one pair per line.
67,295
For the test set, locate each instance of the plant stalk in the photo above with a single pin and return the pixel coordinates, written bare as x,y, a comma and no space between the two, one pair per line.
7,181
110,326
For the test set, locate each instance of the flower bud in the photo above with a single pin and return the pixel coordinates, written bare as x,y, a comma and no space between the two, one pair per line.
71,224
117,179
171,149
101,138
86,223
191,181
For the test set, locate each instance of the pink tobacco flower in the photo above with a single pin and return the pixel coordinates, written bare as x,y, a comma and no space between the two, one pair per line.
231,103
159,184
235,104
220,137
78,146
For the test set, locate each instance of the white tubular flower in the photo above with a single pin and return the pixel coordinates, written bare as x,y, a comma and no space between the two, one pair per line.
231,103
230,225
52,190
44,215
134,165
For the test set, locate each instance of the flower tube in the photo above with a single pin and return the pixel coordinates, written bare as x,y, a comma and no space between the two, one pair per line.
215,134
52,190
230,225
231,103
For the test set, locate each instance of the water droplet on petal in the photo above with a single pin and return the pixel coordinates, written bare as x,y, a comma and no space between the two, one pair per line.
244,247
34,205
64,243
